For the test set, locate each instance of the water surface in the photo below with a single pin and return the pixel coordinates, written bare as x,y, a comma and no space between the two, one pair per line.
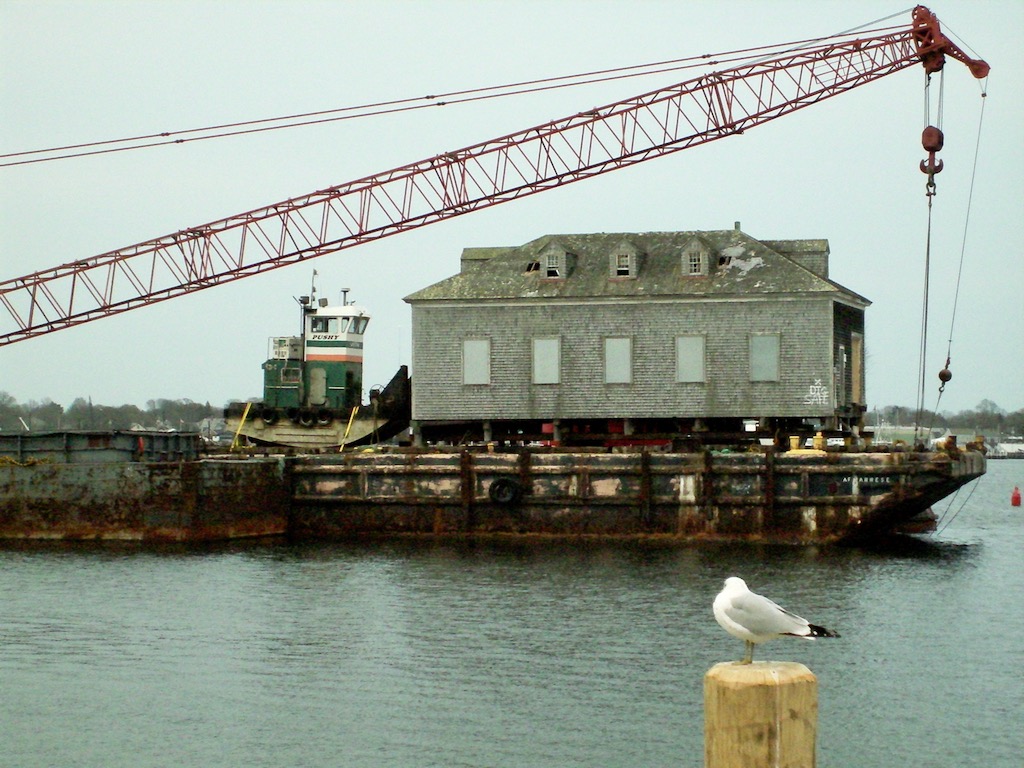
502,655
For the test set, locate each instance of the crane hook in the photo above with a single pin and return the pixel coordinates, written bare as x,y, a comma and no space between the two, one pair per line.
931,140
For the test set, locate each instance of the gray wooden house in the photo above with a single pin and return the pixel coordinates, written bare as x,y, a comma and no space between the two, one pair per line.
637,337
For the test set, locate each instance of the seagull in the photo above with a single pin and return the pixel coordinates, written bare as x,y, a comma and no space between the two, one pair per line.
756,619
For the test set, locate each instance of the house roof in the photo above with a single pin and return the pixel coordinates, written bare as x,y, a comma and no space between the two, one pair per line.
739,265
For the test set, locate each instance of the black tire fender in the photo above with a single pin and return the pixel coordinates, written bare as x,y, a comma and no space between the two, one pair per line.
505,490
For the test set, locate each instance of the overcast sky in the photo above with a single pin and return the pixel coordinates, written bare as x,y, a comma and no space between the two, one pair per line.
845,170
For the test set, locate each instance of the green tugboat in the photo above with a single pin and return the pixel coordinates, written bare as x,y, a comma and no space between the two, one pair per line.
313,383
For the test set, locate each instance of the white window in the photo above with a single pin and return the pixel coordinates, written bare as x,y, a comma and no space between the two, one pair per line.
695,257
623,261
618,361
476,361
764,357
554,265
690,358
546,361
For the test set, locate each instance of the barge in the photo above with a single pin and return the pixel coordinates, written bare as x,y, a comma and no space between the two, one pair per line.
135,486
132,486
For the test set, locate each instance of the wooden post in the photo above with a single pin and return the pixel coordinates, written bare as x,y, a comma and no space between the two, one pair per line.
646,518
467,489
760,715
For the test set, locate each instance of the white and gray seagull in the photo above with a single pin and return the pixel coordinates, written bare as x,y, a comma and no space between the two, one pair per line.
756,619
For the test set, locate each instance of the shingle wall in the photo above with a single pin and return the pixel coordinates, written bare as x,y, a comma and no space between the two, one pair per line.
805,325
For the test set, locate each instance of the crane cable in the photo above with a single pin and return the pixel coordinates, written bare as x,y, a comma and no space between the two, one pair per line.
739,56
942,524
963,244
932,168
945,375
372,109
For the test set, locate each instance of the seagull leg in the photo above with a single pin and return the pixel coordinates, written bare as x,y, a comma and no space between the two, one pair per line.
748,657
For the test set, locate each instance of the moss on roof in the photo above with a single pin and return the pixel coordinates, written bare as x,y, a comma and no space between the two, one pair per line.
739,265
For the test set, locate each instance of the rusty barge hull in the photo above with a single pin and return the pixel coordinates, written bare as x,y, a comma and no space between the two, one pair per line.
135,486
191,501
796,496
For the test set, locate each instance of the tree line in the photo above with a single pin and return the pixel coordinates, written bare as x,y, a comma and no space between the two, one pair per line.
986,418
46,416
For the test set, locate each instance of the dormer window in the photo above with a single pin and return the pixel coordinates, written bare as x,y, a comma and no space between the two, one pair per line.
695,258
555,262
623,261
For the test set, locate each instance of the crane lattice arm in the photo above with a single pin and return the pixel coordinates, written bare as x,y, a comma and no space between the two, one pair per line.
658,123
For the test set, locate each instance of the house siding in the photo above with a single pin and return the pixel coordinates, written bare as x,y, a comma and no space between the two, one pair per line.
805,357
750,287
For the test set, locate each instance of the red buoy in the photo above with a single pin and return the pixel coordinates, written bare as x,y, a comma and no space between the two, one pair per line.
1015,497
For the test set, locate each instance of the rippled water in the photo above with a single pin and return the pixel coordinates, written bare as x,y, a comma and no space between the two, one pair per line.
502,655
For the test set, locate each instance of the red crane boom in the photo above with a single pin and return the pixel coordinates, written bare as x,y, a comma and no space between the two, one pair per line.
658,123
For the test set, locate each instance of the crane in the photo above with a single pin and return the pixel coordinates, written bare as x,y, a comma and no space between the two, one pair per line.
703,109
